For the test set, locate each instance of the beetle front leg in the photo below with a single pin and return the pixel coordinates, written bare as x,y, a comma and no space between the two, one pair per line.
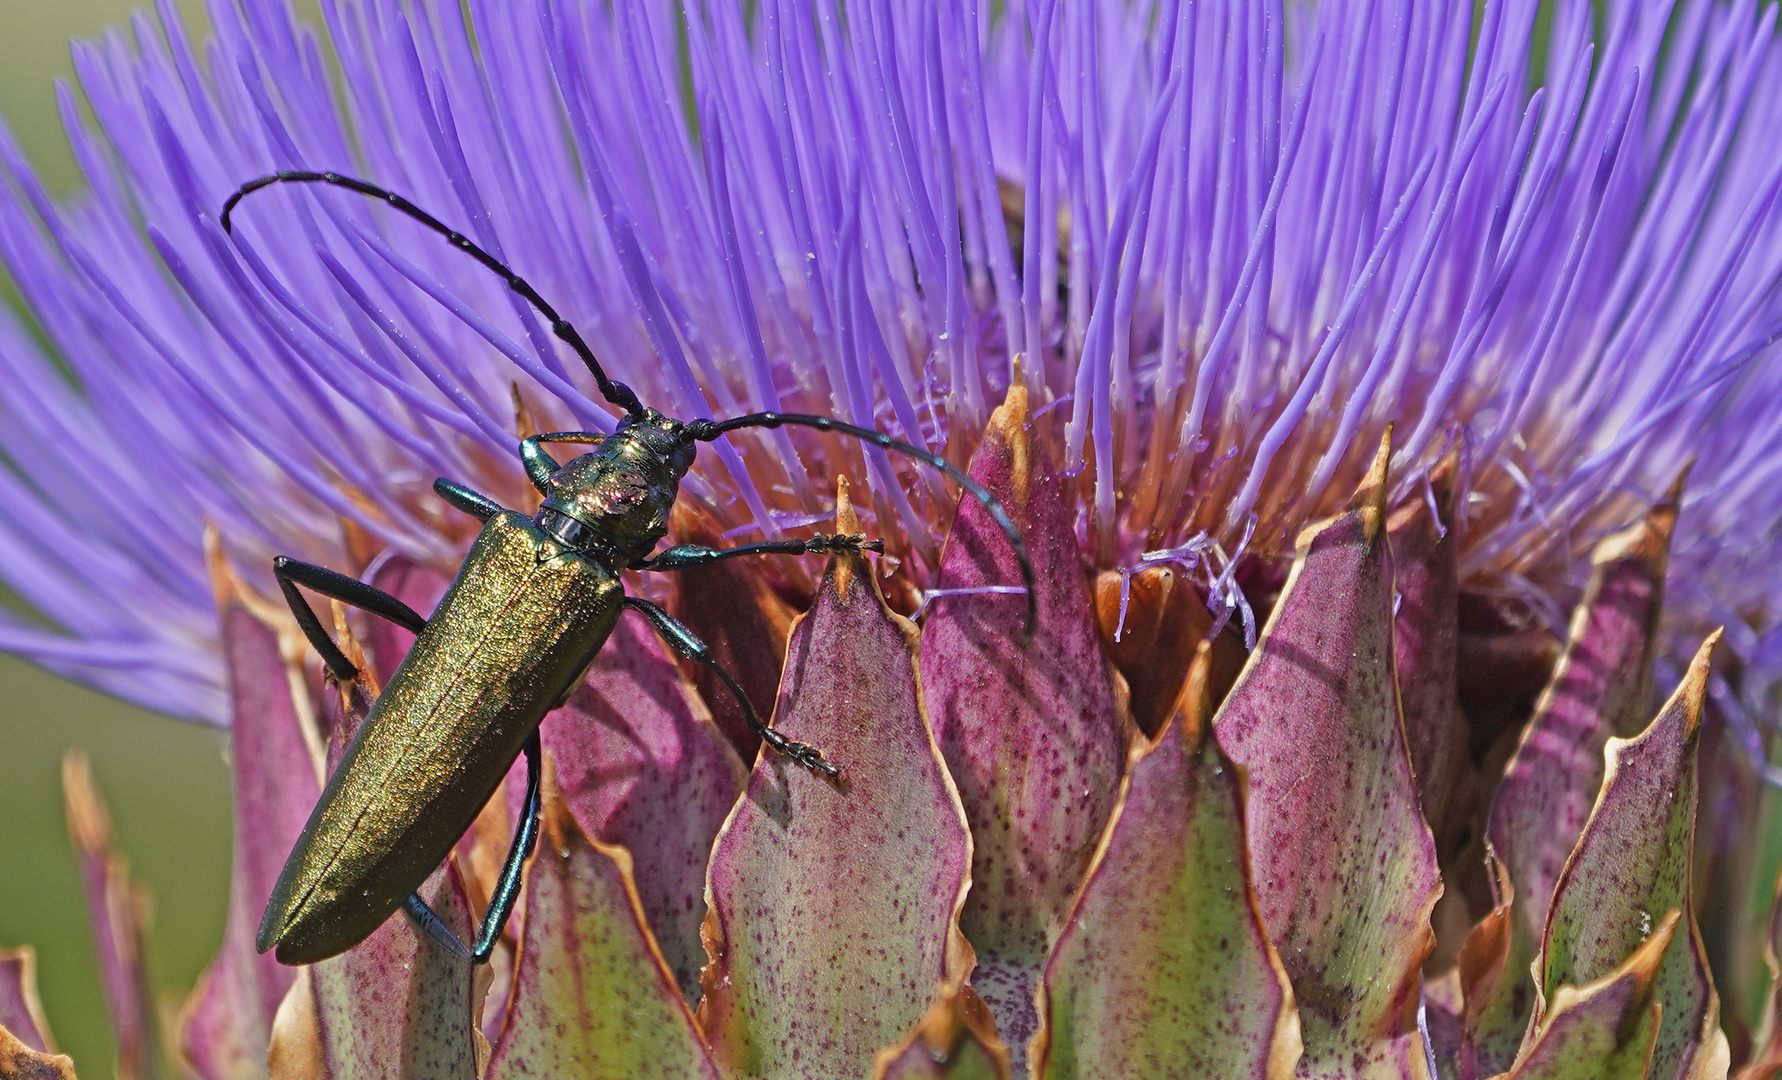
540,465
684,641
348,590
684,556
475,504
507,887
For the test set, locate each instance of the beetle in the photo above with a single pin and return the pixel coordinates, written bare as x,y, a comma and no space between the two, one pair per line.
533,602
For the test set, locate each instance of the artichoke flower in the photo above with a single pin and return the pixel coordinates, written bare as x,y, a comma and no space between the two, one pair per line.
1385,403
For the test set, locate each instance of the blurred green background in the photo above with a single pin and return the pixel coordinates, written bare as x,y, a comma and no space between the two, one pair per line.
165,781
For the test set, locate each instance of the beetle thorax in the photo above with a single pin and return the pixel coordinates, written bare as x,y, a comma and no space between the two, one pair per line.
624,489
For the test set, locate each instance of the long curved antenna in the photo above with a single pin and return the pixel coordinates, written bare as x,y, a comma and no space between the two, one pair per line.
707,430
615,392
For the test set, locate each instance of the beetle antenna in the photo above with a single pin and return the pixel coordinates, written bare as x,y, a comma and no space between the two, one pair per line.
707,430
615,392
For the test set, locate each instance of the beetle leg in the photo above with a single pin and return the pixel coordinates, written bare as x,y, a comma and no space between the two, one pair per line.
462,498
708,430
540,465
507,887
291,573
682,556
431,925
684,641
539,462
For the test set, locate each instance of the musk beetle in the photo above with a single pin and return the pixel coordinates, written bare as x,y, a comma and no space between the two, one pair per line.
534,600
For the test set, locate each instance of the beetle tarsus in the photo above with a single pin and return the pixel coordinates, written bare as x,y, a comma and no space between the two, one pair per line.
431,925
803,753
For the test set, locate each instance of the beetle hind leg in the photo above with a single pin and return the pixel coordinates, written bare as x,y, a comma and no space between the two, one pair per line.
507,887
684,641
348,590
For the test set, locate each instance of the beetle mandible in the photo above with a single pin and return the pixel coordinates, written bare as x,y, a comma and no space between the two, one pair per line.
534,600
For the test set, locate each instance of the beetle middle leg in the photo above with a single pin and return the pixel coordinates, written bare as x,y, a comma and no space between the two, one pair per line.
507,887
684,641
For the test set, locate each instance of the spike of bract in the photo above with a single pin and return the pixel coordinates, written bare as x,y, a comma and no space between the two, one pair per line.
642,767
955,1040
1600,688
1481,968
833,905
227,1022
1163,969
1344,865
117,910
1632,862
21,1012
1029,727
1606,1029
589,979
1153,625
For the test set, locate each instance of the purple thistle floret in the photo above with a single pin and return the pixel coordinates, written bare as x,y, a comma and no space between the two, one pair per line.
1244,238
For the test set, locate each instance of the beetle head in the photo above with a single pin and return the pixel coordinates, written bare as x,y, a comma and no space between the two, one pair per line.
621,492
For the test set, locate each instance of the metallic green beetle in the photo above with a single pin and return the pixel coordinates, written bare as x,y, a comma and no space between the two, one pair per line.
533,602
